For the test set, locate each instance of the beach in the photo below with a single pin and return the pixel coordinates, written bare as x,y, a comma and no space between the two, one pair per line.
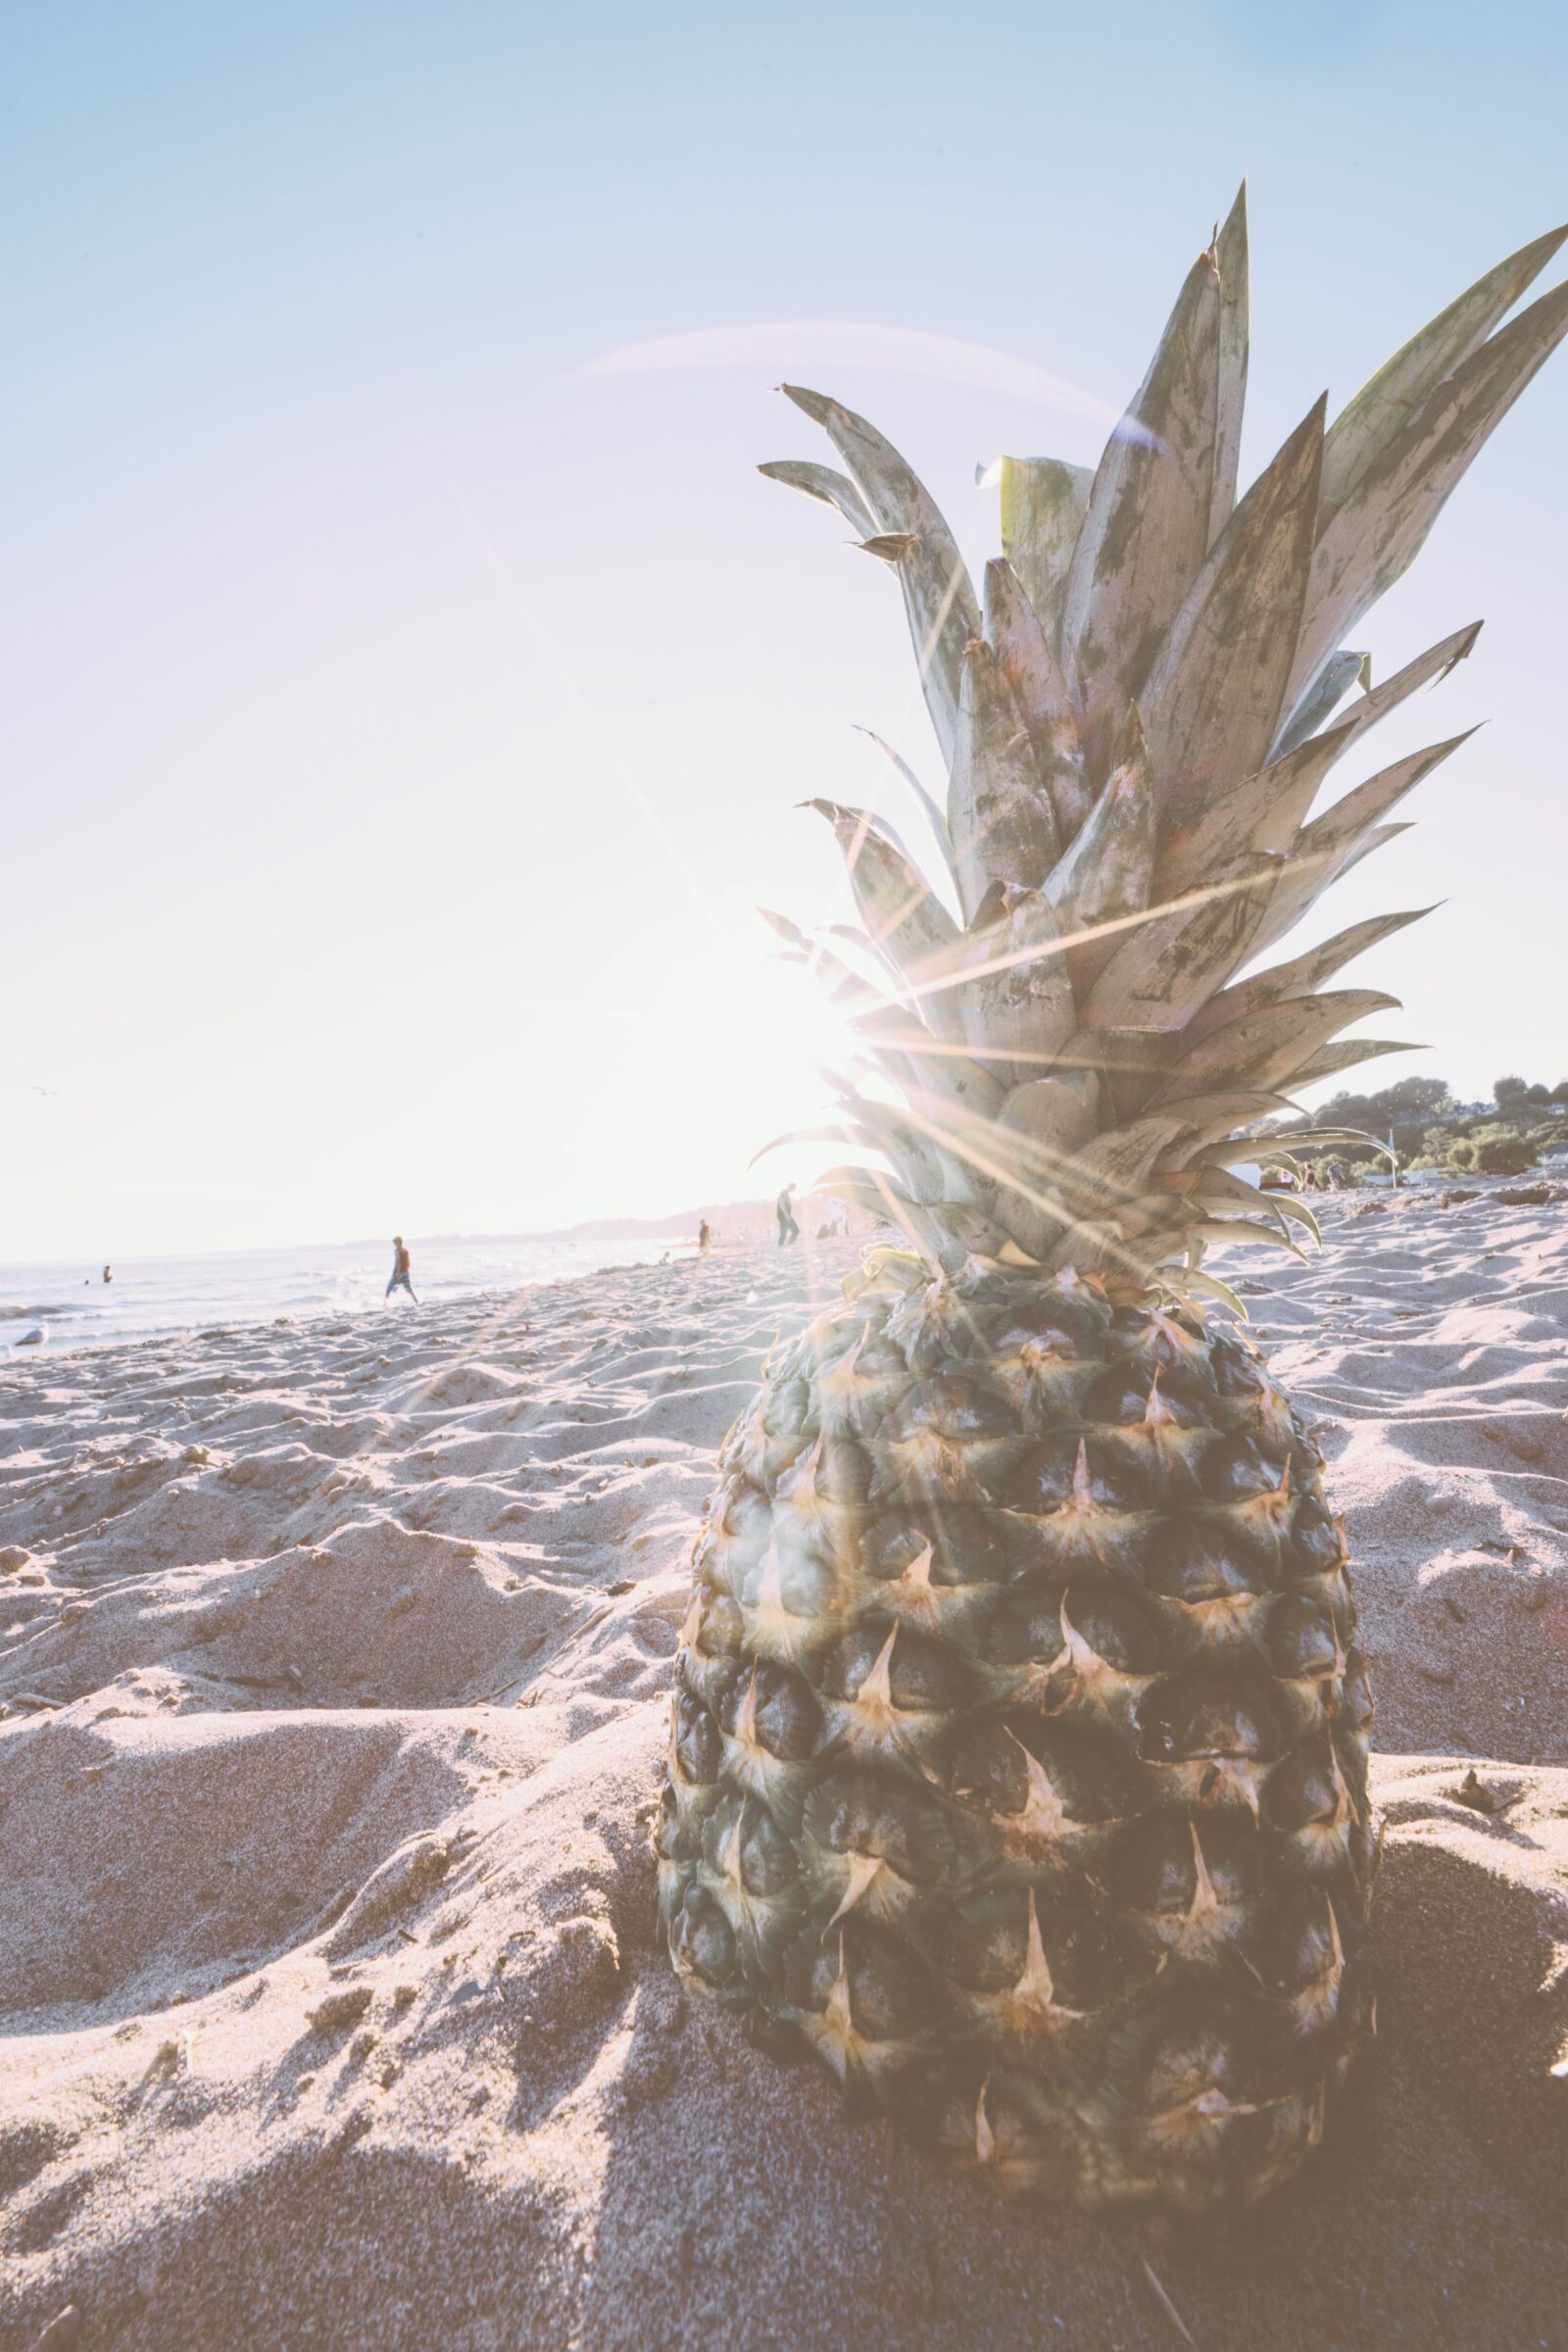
336,1653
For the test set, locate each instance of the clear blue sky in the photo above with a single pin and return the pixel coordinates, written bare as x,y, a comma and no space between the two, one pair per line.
404,721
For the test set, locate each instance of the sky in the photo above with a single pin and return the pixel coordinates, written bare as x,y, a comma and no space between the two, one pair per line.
411,682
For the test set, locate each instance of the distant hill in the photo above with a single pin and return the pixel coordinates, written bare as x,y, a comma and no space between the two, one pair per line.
730,1220
684,1221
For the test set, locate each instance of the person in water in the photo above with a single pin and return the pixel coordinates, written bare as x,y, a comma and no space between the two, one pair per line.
402,1279
109,1273
784,1208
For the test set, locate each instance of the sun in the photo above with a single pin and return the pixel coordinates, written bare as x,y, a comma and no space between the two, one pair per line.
722,1051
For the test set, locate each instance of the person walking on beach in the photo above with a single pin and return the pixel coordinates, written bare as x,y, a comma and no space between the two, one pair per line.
704,1237
784,1208
401,1277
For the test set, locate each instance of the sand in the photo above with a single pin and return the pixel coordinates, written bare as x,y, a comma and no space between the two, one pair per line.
333,2011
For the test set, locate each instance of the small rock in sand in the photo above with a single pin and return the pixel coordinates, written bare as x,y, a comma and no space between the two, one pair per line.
340,2010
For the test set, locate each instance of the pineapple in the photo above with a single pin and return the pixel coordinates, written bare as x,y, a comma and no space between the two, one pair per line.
1018,1756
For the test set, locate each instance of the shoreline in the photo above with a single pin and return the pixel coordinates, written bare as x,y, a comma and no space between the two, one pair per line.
219,1291
334,2005
18,1354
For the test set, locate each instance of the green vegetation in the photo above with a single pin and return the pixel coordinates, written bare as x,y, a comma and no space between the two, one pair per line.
1430,1128
1497,1149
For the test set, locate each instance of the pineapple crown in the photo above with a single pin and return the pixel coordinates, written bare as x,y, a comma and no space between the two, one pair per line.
1136,725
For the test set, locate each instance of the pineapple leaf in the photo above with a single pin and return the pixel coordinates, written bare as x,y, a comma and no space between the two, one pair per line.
844,984
1218,1232
786,929
940,1078
1002,829
1431,666
1331,843
1288,806
1209,1285
886,1268
1287,1205
848,987
1114,1170
1265,1048
1107,871
928,808
1147,528
1042,506
1167,969
1048,1118
1305,974
1218,1185
876,1196
1327,691
1212,1117
1382,523
937,591
1211,703
1231,262
1329,1060
1379,410
928,1169
1087,1204
1374,841
1296,1137
1035,1223
1030,668
1327,836
1017,1000
905,920
1047,1126
833,489
1263,812
806,1135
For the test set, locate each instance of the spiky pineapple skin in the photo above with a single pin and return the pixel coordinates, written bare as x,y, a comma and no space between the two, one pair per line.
1018,1758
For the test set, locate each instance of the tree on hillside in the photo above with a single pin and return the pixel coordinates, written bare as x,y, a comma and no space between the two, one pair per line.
1410,1098
1406,1109
1412,1095
1508,1090
1559,1092
1402,1111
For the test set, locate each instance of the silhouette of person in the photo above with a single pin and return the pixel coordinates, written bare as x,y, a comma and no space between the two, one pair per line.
402,1279
784,1209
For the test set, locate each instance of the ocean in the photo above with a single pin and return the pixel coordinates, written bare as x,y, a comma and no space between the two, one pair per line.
69,1305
